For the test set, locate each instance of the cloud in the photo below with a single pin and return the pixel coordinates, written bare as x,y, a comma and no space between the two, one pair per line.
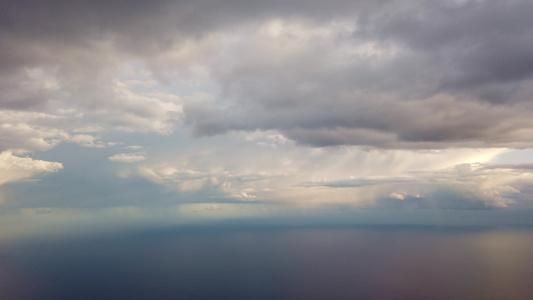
14,168
134,147
517,167
127,157
389,74
349,176
86,140
465,186
29,131
303,102
379,81
221,184
359,182
68,73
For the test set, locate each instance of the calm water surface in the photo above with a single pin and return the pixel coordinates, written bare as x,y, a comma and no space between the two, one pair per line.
273,263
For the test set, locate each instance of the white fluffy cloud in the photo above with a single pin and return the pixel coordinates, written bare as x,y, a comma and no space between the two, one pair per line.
29,131
15,168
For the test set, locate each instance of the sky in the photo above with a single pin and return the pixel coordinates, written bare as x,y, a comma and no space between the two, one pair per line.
206,110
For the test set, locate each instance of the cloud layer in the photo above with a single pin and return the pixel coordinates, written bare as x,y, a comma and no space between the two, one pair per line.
265,100
391,74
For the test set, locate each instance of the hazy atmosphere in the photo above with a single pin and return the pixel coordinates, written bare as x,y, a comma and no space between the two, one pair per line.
186,123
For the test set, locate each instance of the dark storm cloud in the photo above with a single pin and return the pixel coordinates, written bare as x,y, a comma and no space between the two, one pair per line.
486,41
138,26
456,76
389,74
